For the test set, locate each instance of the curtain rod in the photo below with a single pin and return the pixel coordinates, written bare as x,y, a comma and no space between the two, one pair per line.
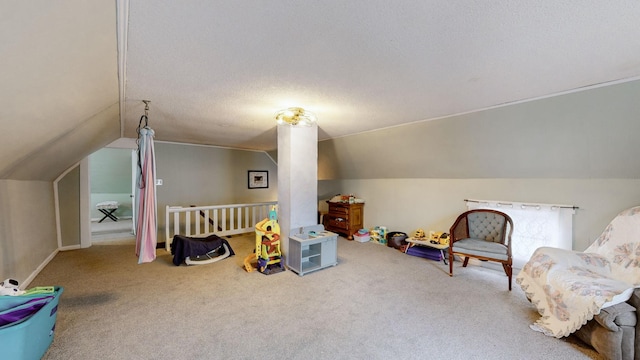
523,204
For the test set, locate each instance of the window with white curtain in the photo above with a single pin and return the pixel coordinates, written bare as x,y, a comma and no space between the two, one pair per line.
534,225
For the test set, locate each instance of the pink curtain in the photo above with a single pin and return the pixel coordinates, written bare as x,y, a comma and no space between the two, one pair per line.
146,203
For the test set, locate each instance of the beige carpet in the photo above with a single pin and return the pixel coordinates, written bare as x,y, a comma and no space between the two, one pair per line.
377,303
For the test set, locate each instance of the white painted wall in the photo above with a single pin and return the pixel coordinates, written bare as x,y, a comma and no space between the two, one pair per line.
584,135
433,204
578,149
27,228
111,178
209,175
59,94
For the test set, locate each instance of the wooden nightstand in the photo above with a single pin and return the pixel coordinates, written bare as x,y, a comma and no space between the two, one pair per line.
345,218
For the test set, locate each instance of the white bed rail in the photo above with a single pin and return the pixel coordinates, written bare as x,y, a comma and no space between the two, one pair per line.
221,220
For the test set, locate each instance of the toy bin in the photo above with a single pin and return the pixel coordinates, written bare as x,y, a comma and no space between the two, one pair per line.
361,237
30,339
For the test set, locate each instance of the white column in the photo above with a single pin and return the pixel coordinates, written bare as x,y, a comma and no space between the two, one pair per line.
297,179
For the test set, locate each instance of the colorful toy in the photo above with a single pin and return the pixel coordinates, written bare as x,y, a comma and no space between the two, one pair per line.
437,237
10,287
267,253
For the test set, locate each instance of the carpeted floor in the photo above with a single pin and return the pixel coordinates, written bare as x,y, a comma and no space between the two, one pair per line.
377,303
108,231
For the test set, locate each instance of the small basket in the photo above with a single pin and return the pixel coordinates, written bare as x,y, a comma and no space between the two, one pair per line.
396,239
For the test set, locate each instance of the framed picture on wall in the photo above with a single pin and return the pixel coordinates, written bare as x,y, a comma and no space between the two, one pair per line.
258,179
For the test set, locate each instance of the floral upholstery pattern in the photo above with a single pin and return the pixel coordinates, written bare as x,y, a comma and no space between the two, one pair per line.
568,287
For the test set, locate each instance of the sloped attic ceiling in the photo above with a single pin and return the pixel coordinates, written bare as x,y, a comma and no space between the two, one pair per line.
58,85
216,71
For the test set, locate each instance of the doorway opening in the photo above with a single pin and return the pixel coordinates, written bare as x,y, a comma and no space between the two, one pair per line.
111,177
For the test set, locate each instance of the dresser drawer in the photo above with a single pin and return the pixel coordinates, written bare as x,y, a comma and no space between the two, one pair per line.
337,209
345,218
338,222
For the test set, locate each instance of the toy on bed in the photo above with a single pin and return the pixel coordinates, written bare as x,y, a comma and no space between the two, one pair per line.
267,255
199,251
568,287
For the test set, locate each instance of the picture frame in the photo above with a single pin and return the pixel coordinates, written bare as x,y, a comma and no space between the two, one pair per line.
258,179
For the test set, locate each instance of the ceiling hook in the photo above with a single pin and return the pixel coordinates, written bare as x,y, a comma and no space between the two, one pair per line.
146,107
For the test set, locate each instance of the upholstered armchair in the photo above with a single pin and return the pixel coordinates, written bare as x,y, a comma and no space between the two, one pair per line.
483,234
593,293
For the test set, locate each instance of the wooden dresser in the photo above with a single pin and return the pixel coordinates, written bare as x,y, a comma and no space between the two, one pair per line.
345,218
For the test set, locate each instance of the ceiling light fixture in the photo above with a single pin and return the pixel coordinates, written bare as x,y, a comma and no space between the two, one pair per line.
296,116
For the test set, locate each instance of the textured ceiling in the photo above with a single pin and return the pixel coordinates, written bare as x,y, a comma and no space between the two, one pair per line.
217,71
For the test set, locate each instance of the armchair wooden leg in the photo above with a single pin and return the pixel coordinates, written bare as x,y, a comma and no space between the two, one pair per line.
509,271
466,261
450,263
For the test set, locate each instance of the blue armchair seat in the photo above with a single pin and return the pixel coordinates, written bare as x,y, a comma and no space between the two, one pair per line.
481,247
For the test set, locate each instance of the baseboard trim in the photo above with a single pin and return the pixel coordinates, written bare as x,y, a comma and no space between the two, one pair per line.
38,269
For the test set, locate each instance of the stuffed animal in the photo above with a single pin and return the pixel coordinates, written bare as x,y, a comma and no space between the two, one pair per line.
10,287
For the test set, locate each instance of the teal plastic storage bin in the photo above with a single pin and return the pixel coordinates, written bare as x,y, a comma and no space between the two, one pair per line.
30,339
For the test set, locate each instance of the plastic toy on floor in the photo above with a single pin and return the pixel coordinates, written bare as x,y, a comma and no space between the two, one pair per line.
267,255
10,287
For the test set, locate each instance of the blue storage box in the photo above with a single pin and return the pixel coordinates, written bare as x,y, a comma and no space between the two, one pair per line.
31,338
425,252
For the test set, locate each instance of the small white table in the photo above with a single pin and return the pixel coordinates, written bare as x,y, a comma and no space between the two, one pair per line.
426,242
